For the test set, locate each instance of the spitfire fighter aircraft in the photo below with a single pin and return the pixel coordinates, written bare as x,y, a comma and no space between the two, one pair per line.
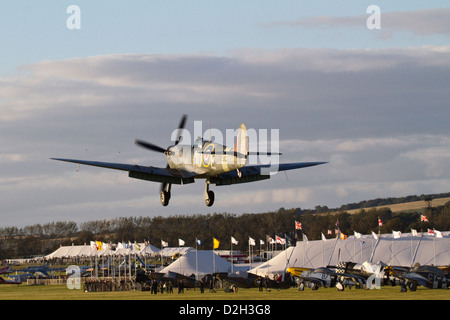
216,163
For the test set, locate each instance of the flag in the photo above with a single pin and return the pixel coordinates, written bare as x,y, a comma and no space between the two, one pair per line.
329,231
180,242
270,240
423,218
216,243
336,231
438,234
164,244
357,235
343,236
380,223
396,234
98,244
234,241
198,241
414,233
430,232
93,245
251,242
261,242
298,225
280,240
323,237
374,235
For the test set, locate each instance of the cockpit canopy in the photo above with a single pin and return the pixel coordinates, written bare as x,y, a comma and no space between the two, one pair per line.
198,144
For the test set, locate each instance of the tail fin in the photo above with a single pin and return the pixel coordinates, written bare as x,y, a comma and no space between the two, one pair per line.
241,145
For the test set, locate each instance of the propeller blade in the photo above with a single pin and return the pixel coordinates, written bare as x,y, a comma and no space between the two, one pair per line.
149,146
180,128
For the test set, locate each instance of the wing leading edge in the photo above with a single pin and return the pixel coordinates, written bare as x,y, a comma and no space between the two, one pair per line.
163,175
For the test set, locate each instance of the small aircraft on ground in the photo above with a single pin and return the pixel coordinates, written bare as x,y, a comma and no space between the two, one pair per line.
6,281
5,270
216,163
427,276
325,277
249,280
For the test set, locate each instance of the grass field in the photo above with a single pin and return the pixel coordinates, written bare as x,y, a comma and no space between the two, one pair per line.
61,292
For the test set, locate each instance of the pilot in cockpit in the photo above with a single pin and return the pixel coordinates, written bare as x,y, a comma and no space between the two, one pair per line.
198,144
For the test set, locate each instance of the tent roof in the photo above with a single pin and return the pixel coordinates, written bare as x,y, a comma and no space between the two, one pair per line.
88,251
170,251
203,261
404,251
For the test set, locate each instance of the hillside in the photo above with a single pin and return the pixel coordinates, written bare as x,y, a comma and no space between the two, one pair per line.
406,206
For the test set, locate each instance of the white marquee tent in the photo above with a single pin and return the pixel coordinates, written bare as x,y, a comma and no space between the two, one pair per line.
82,251
403,251
200,262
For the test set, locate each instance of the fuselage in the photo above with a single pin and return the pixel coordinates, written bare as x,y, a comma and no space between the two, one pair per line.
205,158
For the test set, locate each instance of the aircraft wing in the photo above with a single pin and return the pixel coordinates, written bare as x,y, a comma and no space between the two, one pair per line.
258,172
164,175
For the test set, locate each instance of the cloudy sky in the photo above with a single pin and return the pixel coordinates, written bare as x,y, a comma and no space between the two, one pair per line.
374,103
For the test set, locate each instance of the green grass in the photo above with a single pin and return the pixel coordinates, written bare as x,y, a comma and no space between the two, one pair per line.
61,292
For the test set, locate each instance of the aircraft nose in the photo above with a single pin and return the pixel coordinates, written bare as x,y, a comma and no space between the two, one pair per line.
169,151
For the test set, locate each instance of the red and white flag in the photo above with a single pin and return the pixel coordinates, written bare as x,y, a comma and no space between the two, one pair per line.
423,218
280,240
380,223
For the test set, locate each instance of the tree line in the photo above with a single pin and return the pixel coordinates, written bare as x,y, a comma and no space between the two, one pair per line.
43,239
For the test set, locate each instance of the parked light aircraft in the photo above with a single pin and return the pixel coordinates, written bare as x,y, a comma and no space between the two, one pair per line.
5,270
216,163
325,277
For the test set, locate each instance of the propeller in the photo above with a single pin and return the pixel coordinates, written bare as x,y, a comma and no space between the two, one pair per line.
153,147
149,146
180,128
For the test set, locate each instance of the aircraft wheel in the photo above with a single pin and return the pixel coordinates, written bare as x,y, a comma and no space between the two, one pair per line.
210,201
412,286
165,197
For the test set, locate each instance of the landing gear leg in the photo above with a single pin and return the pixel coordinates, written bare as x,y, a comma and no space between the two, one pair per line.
209,195
164,195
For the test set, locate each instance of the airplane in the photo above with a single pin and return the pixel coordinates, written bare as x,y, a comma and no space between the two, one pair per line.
427,276
204,159
40,270
250,280
325,277
6,281
5,270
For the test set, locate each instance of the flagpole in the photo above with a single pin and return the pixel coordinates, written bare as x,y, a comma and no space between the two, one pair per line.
231,254
214,258
322,250
196,257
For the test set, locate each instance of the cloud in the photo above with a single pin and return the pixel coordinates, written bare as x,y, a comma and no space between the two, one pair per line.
419,22
378,116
